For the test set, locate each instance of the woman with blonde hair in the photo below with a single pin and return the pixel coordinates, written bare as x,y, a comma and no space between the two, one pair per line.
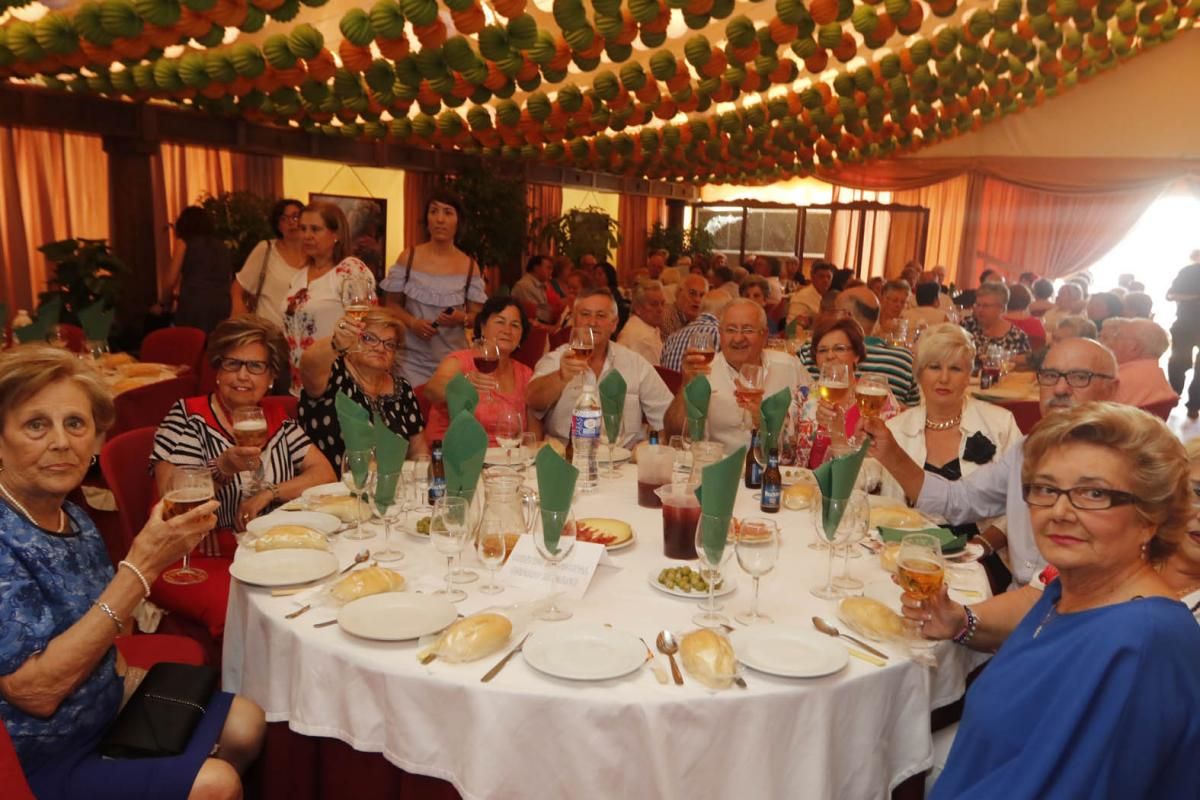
318,289
1181,569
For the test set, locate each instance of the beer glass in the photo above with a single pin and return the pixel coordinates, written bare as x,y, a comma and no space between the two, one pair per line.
191,487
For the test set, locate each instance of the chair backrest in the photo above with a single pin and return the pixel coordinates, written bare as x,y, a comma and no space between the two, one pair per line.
532,349
147,405
206,378
124,462
1162,409
287,402
672,378
181,345
1026,412
12,777
144,650
559,338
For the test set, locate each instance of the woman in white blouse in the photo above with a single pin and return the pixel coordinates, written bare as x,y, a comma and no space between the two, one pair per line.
314,298
262,285
951,433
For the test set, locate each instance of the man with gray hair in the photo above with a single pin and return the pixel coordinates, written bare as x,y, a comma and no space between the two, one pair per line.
1138,345
641,334
675,346
743,339
687,304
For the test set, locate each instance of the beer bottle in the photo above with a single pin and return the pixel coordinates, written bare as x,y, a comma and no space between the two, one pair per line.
437,473
652,437
569,455
753,470
772,484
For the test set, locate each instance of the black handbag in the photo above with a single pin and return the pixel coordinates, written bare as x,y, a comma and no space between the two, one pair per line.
162,714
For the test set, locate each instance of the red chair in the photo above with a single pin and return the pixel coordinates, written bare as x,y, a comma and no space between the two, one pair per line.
559,338
182,346
12,777
144,650
287,402
124,462
1026,412
672,378
1162,409
533,348
206,378
147,405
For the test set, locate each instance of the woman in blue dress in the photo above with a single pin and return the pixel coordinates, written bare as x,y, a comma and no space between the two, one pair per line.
1094,690
62,604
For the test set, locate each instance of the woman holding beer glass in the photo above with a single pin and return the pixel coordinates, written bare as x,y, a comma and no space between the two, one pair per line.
1100,667
62,603
256,457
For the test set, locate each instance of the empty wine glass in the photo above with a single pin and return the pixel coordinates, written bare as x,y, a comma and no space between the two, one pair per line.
854,512
491,549
356,298
389,502
448,532
554,536
508,429
712,549
757,549
420,480
191,487
612,432
357,466
529,448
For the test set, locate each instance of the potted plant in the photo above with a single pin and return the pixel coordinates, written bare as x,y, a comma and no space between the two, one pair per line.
497,219
679,242
85,270
241,220
579,232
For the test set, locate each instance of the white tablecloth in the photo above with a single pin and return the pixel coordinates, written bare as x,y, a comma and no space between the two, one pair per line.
856,734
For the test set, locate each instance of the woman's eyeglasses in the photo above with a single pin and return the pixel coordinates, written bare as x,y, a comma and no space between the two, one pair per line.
837,350
371,340
1085,498
236,364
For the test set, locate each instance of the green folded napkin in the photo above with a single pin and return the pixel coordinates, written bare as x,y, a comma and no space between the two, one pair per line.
463,449
97,321
696,396
774,410
390,451
358,433
556,488
836,480
51,310
460,396
717,492
612,403
792,327
950,542
46,318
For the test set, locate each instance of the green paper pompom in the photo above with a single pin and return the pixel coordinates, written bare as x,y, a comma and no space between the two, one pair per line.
55,34
355,25
420,12
305,41
119,18
387,19
163,13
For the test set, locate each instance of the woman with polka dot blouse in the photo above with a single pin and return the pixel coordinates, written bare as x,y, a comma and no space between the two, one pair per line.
361,361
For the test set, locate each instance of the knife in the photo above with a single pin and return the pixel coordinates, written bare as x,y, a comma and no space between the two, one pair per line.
491,673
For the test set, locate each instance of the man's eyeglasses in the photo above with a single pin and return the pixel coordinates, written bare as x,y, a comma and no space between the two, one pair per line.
236,364
371,340
837,350
744,330
1085,498
1077,378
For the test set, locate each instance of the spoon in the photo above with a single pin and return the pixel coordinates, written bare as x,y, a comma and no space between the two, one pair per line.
829,630
669,647
362,556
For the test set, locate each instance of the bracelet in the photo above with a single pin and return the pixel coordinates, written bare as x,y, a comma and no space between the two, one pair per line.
111,615
968,629
138,572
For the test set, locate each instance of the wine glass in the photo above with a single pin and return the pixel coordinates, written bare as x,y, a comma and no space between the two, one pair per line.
356,298
748,389
712,556
871,394
486,356
357,466
448,531
554,536
848,584
491,549
920,569
854,511
508,430
612,432
834,386
389,502
420,480
703,343
191,487
529,448
681,467
583,342
757,549
250,430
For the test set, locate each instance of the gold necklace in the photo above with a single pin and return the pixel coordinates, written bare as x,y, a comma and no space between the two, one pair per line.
62,517
944,425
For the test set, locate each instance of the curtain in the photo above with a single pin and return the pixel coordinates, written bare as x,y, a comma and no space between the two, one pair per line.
417,188
947,204
545,202
846,226
183,174
54,186
636,215
260,175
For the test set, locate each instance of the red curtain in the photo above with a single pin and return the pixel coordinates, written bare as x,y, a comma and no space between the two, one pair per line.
636,215
261,175
545,203
417,188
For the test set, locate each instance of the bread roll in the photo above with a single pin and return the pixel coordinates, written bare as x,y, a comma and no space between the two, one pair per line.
291,536
872,618
475,637
125,384
140,370
708,657
897,517
364,582
114,360
344,507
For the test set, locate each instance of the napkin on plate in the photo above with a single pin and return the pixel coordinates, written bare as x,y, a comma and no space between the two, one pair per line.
950,542
390,450
717,492
612,402
97,321
774,410
696,396
836,480
463,449
460,396
556,488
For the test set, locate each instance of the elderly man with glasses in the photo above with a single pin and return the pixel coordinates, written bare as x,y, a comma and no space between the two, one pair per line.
1074,371
743,336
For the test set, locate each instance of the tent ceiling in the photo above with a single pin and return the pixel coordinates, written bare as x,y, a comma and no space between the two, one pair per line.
705,91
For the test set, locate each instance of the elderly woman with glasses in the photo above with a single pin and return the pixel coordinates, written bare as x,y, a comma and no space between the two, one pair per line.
1100,667
248,354
360,360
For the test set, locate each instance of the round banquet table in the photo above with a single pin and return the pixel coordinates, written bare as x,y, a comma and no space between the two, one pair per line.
855,734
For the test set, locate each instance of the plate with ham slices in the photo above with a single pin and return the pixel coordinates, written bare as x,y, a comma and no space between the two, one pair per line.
612,533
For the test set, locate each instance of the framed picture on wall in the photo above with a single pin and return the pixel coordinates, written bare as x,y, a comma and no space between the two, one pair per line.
367,217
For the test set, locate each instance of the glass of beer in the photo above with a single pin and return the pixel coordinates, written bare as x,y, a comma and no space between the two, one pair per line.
871,393
583,342
191,487
702,344
920,570
250,430
748,389
834,388
356,298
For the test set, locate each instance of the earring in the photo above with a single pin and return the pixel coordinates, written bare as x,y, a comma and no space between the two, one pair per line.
1144,545
95,459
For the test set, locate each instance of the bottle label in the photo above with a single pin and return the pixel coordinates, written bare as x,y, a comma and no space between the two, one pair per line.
755,476
585,425
437,489
771,496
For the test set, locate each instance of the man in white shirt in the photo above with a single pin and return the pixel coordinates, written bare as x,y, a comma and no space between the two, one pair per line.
531,288
927,311
556,384
641,334
743,337
806,303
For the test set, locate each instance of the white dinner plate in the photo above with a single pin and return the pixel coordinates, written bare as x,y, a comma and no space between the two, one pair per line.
972,551
584,652
325,523
287,567
396,616
789,651
725,588
326,489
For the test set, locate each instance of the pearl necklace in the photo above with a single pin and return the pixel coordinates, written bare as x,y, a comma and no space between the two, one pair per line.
943,426
62,517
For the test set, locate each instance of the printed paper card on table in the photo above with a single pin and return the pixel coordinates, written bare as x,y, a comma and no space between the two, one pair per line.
526,568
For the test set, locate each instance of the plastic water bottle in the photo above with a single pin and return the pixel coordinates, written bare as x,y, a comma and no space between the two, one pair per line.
585,430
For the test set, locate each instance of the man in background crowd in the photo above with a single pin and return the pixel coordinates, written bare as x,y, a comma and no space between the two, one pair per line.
641,333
